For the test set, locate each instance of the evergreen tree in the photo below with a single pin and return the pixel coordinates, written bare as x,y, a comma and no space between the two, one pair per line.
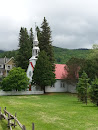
82,88
24,51
94,91
38,33
45,42
43,75
31,38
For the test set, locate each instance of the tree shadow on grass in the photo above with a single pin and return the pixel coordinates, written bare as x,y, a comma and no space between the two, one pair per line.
92,106
77,102
3,125
84,105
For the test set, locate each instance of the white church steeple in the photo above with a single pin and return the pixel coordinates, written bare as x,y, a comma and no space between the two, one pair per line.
32,60
35,49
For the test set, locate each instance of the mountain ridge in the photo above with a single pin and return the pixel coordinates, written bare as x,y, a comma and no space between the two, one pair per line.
62,55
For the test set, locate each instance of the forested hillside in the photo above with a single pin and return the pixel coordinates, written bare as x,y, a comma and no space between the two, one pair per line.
8,53
62,55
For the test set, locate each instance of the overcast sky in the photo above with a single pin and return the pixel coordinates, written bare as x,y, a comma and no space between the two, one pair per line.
74,23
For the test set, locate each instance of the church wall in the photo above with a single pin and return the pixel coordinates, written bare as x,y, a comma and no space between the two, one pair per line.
30,69
56,87
72,88
28,72
60,86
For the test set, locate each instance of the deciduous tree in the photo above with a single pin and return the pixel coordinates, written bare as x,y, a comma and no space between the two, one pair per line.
72,67
16,80
90,65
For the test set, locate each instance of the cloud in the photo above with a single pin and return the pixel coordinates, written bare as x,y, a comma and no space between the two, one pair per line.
74,23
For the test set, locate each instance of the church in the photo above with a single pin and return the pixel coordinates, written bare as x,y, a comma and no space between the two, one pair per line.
60,84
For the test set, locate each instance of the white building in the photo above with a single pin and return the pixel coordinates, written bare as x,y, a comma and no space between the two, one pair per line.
60,84
32,60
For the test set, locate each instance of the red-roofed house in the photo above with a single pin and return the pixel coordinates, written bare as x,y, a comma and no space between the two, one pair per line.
60,84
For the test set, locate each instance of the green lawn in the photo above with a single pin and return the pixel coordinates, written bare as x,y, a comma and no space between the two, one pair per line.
51,112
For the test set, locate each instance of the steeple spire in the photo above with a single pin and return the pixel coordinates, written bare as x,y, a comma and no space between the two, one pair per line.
35,49
35,36
35,42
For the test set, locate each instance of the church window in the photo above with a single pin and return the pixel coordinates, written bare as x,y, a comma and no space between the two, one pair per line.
62,85
30,73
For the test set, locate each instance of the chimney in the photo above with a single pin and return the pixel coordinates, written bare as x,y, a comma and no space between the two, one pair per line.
4,59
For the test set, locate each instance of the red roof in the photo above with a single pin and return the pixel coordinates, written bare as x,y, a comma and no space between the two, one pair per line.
60,72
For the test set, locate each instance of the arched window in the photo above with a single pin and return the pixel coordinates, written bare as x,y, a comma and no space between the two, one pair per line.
30,73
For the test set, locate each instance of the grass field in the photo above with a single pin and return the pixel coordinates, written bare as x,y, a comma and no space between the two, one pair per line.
51,112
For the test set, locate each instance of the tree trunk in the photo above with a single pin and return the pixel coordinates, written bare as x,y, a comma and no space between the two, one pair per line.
97,104
44,89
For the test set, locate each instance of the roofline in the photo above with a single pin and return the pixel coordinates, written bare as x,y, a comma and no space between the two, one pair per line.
59,79
60,64
9,60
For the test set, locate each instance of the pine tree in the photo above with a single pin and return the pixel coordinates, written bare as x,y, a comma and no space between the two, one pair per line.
82,88
38,33
43,75
45,42
24,51
94,91
31,38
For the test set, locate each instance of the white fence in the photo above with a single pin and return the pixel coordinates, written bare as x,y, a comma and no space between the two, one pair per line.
6,93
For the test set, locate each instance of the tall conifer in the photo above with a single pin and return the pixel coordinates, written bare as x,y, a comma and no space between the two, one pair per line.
94,91
31,38
82,88
24,51
43,75
45,42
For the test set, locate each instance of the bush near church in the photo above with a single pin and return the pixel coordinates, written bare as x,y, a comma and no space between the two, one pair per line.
16,80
